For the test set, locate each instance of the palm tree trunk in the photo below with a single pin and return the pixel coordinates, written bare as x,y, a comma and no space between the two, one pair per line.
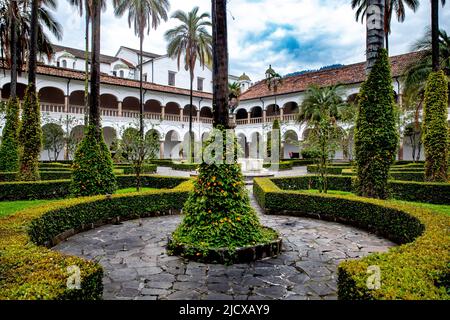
94,109
375,31
32,60
141,91
435,34
13,53
86,69
191,138
387,23
220,62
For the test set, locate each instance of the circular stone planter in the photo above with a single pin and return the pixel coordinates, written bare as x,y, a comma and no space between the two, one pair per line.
225,255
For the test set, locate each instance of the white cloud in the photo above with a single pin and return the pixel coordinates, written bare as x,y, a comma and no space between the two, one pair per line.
326,31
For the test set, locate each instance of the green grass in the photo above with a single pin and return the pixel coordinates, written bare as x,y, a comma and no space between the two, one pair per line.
444,209
131,190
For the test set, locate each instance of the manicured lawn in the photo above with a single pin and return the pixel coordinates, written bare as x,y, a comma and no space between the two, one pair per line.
10,207
444,209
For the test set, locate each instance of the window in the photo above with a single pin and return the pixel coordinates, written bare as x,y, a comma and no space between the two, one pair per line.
171,78
121,74
64,64
144,77
115,73
58,64
200,84
74,65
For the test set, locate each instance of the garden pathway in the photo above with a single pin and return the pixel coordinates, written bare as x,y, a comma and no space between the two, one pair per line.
137,267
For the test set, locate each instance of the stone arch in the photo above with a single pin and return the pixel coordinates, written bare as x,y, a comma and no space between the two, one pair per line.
412,142
291,145
53,142
109,135
20,90
241,114
206,112
51,95
272,110
187,108
244,151
108,101
172,143
172,108
76,98
256,112
130,104
153,106
290,107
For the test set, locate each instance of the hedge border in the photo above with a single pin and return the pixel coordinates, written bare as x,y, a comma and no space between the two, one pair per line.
32,271
421,261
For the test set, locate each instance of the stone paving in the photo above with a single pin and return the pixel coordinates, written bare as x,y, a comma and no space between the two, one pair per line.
137,267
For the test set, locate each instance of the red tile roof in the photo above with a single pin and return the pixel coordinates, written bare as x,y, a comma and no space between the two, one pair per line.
350,74
107,79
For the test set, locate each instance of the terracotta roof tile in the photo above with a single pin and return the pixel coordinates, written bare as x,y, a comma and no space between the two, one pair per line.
350,74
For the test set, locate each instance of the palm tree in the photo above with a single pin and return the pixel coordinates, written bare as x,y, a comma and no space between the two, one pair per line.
85,6
144,14
273,81
235,89
94,105
389,7
192,40
220,62
435,32
15,45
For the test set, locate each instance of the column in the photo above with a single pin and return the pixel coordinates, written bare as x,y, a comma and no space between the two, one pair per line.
249,117
66,104
281,114
163,112
264,116
119,107
161,150
198,116
400,150
181,114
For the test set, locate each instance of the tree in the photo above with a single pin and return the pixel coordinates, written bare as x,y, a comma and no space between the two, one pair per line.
376,134
192,41
375,31
321,109
53,140
435,128
390,7
144,14
435,33
273,81
139,151
9,148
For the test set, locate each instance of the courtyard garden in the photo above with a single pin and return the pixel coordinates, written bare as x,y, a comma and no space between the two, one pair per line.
122,224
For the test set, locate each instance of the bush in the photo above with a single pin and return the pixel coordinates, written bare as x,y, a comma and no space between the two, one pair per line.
299,162
30,137
436,193
435,127
32,272
93,167
421,262
146,169
45,175
9,148
309,154
185,166
376,134
219,214
162,162
61,189
284,165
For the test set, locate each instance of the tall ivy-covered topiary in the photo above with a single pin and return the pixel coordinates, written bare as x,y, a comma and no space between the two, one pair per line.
435,128
376,134
30,137
9,149
93,167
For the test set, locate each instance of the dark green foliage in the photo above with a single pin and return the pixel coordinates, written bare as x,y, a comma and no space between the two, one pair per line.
309,153
144,169
218,212
421,264
9,148
93,167
185,166
45,175
435,127
284,165
328,169
376,134
30,137
35,190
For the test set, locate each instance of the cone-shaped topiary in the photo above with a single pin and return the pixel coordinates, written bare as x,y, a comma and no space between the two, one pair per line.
219,214
435,128
376,135
30,137
92,167
9,149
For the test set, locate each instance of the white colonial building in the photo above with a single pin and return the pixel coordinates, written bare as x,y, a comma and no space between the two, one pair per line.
60,83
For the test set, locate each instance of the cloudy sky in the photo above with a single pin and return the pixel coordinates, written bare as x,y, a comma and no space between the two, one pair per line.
292,35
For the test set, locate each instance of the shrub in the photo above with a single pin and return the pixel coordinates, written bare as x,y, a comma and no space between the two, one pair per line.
376,134
309,154
93,167
162,162
45,175
30,137
9,148
219,214
185,166
145,169
421,262
328,169
435,127
284,165
32,272
61,189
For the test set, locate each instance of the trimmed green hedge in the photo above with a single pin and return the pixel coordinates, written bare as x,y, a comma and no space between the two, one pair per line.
162,162
146,169
418,176
284,165
12,191
45,175
416,270
185,166
330,169
435,193
29,271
